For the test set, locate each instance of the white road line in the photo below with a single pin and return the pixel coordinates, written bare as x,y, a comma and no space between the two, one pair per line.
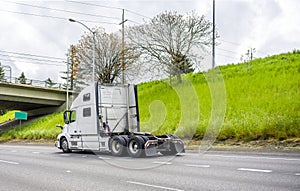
297,174
68,171
254,170
13,151
9,162
154,186
197,166
164,163
104,158
84,156
65,155
36,152
253,157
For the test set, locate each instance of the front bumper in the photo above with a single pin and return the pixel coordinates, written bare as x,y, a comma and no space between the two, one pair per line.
57,144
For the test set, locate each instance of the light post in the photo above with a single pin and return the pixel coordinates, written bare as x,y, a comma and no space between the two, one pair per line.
94,46
214,37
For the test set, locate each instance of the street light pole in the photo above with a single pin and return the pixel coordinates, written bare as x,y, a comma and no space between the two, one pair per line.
214,36
94,45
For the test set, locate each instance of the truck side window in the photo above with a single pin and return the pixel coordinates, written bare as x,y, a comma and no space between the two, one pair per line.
87,97
87,112
73,116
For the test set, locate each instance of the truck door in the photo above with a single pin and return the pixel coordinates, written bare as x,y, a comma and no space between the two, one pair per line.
70,119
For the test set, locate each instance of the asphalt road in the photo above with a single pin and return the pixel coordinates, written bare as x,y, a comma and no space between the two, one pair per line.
47,168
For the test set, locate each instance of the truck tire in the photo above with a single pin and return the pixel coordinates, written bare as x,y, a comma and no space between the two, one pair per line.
117,146
135,147
64,145
145,139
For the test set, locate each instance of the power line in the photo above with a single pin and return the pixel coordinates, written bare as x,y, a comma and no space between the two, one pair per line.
226,56
136,13
92,4
34,55
55,17
41,63
109,7
133,22
238,44
28,58
226,50
63,10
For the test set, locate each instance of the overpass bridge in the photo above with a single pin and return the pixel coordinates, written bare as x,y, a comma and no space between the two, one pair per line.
35,100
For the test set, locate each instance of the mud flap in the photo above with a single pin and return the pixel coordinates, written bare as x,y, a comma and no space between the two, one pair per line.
179,147
151,151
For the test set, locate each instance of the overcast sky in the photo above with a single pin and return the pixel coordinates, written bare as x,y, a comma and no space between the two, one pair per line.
269,26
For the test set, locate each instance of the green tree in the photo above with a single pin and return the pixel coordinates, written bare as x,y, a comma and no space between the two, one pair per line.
22,79
49,83
181,64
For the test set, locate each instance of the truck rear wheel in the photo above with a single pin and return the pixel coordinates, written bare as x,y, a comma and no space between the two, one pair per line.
136,147
117,146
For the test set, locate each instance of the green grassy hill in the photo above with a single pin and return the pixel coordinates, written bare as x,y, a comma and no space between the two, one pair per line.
262,102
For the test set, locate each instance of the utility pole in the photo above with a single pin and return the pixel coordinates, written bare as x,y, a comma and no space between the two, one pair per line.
123,47
67,94
213,44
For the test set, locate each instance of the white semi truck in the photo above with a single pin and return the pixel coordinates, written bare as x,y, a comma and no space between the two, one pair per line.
105,118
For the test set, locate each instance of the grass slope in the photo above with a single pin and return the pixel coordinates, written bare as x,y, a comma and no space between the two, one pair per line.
43,128
262,102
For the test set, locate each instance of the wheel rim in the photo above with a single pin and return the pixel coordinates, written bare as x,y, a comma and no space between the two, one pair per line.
133,147
116,146
64,145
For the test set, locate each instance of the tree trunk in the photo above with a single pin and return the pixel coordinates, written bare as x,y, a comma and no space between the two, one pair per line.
179,78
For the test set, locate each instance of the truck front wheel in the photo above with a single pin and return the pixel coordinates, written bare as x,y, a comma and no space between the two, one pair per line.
64,145
136,147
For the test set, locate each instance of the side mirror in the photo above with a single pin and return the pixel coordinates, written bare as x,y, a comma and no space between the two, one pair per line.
58,125
67,117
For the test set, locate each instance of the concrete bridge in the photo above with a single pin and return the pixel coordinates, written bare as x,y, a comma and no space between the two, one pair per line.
32,99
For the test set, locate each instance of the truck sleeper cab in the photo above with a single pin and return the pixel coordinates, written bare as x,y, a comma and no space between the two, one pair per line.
105,118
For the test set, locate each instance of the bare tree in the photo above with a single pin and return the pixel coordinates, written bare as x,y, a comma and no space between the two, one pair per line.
108,57
170,38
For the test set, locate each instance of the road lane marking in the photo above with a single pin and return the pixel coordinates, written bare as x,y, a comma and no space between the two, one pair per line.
153,186
84,156
297,174
252,157
9,162
68,171
13,151
104,158
36,152
254,170
65,155
197,166
164,163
